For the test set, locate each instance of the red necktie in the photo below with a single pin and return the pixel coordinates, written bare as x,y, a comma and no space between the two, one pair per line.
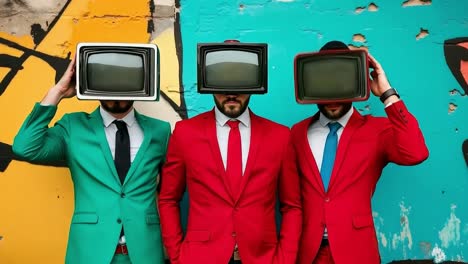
234,157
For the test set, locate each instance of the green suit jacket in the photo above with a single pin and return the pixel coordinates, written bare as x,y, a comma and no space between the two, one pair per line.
102,204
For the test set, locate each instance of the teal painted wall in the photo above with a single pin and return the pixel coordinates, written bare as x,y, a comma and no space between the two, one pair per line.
417,210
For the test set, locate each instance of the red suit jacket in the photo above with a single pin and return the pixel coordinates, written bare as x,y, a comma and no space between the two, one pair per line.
216,219
366,145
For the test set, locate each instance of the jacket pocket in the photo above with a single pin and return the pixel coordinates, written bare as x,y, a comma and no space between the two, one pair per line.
152,219
197,236
361,221
85,218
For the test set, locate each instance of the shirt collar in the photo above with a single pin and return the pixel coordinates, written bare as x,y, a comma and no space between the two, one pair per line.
107,118
342,120
221,118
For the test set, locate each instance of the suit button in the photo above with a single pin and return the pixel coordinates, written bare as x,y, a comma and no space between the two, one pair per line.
233,234
119,221
122,195
327,199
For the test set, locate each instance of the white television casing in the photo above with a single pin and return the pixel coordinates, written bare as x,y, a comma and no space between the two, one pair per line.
153,60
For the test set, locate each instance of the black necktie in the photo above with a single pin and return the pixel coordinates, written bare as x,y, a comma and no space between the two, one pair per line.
122,149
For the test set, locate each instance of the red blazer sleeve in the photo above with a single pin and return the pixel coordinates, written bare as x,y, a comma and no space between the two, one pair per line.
290,208
403,141
172,190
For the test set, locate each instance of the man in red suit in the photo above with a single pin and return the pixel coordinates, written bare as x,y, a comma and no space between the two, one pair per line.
231,215
337,216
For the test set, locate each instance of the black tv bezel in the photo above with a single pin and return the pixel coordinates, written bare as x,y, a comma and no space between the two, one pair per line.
150,56
363,73
260,48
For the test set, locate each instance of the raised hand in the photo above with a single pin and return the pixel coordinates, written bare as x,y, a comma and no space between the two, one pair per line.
65,87
379,82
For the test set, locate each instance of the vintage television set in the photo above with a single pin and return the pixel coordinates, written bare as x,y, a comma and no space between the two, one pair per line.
232,67
117,71
331,76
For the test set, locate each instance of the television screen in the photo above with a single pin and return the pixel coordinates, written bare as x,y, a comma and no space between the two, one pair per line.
232,68
117,71
331,76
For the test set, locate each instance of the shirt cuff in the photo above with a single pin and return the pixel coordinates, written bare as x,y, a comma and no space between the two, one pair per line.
389,104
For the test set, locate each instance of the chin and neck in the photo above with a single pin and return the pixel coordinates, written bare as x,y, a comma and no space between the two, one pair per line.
118,109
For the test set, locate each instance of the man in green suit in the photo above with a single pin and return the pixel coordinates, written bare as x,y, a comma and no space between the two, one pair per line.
115,218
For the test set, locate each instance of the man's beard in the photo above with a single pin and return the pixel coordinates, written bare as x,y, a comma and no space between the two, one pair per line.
115,107
336,114
232,111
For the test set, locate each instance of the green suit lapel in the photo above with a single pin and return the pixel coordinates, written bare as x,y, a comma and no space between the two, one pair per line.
98,126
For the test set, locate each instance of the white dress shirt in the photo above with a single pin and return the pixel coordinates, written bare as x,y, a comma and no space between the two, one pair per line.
222,133
134,131
318,132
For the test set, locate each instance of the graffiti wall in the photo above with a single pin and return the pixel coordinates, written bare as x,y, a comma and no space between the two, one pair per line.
420,212
37,40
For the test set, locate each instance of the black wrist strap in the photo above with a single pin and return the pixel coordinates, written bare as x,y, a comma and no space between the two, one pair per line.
388,93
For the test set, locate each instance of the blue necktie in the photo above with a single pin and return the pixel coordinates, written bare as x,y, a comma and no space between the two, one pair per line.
329,153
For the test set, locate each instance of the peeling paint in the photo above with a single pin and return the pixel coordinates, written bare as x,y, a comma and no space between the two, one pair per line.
372,7
378,222
241,8
450,234
359,10
425,248
459,258
452,107
422,34
383,239
416,3
405,236
454,92
359,38
438,254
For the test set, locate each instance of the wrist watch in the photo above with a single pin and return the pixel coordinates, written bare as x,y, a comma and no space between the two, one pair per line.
388,93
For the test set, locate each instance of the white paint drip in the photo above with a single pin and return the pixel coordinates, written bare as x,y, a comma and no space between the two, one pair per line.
378,222
383,239
405,236
438,254
405,225
450,234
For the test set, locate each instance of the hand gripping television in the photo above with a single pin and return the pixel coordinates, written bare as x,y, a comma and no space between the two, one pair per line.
232,67
117,71
331,76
